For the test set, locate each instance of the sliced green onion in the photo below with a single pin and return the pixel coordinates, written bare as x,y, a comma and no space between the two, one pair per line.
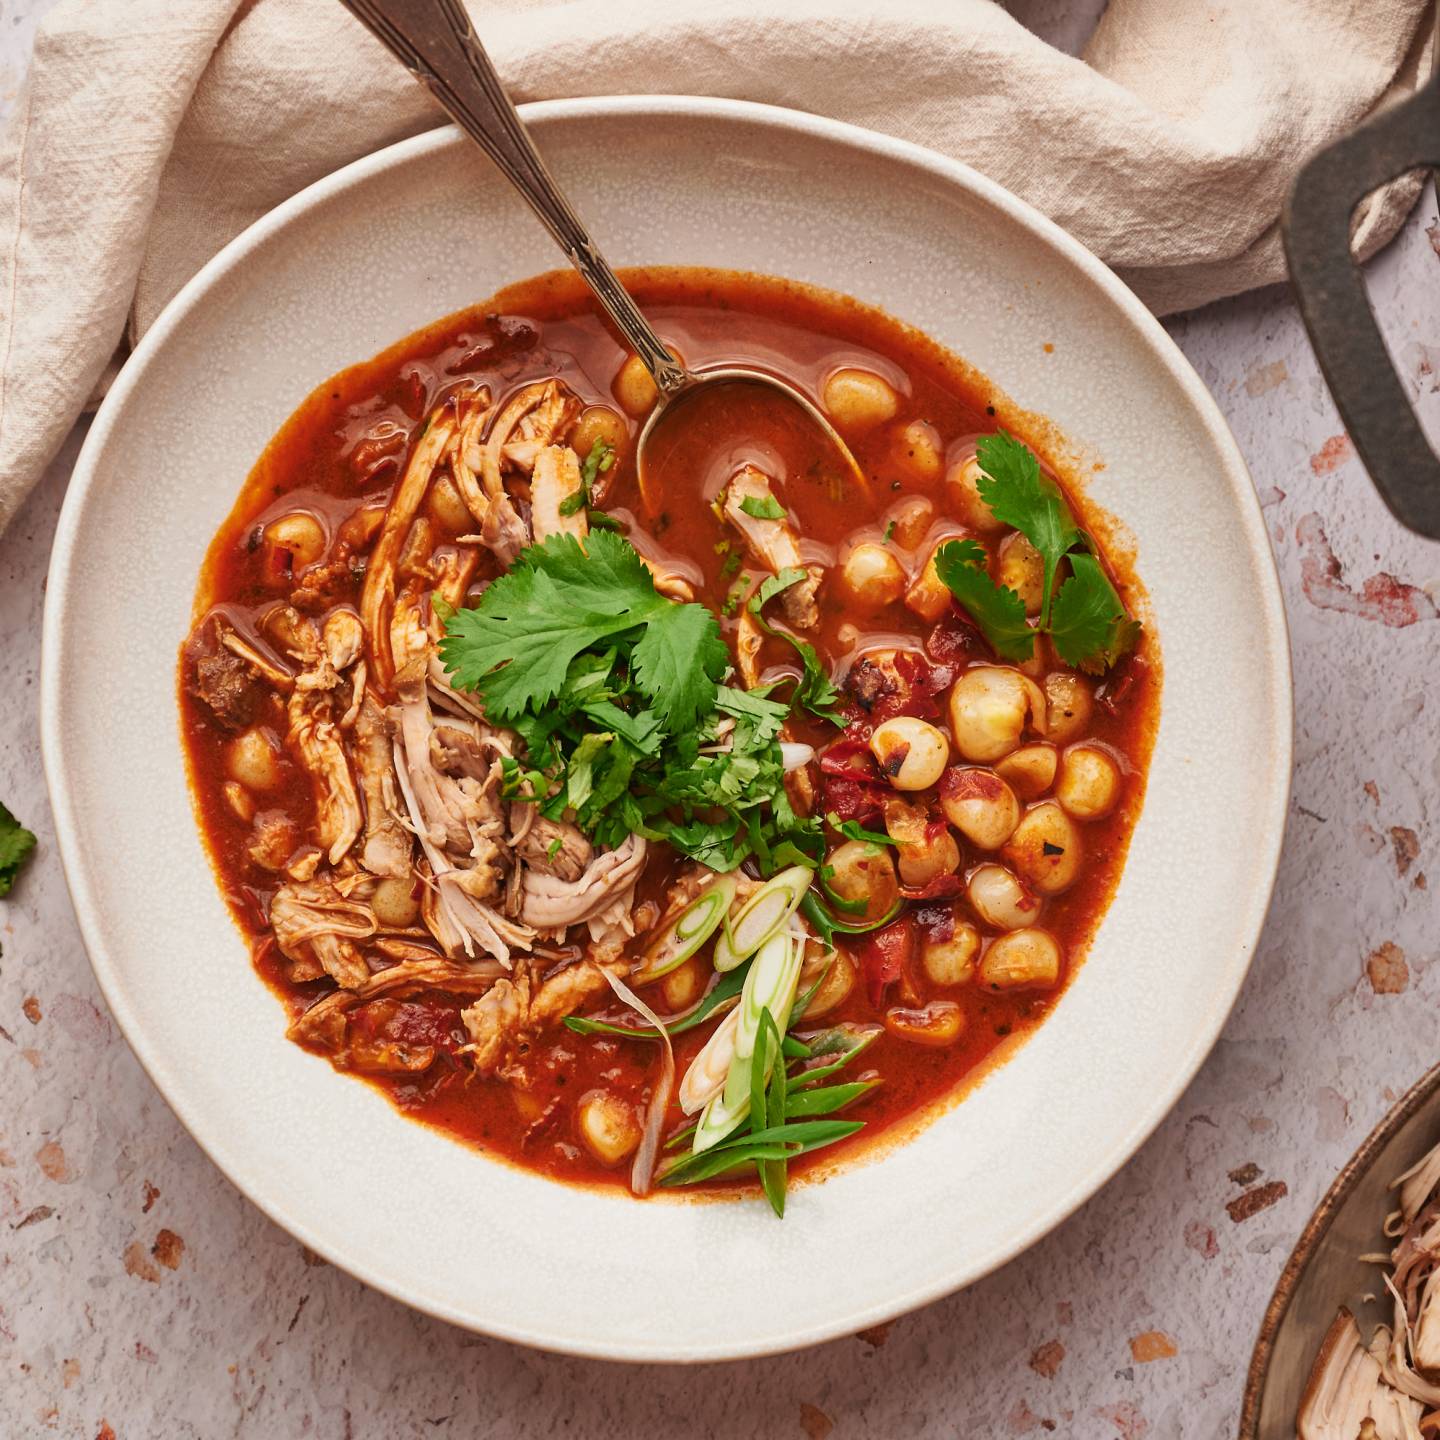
828,925
777,1142
706,1075
717,1120
774,1173
802,1002
770,986
724,957
826,1099
767,910
723,993
844,1041
690,929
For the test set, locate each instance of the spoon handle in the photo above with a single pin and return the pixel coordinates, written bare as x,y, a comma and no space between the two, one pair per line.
435,41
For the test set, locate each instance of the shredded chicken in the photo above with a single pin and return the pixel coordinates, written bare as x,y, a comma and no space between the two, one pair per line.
378,597
515,1009
387,845
773,543
555,493
532,418
551,903
315,737
414,873
1384,1390
555,847
1347,1390
314,920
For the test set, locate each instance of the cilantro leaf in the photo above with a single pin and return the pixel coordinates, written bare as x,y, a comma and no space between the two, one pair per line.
678,661
763,507
16,843
815,690
854,830
1085,617
1020,496
597,462
516,647
1000,613
772,585
1090,627
615,692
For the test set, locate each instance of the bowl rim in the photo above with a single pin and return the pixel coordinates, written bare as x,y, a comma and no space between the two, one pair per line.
1272,629
1316,1228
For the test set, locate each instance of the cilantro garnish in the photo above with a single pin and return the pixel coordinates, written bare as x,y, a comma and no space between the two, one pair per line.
889,531
1085,617
814,690
595,464
556,602
854,830
1089,625
763,507
999,612
618,695
16,843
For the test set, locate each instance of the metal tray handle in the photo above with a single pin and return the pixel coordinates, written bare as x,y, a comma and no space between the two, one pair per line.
1331,293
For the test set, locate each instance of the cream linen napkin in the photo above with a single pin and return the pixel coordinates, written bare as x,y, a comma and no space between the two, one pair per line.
149,132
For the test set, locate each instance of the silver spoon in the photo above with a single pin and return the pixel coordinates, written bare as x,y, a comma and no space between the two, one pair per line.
435,41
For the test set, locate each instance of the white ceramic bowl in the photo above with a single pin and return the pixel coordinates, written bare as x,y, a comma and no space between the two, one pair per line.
425,228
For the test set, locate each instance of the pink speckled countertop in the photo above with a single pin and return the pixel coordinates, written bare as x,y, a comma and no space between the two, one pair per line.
141,1297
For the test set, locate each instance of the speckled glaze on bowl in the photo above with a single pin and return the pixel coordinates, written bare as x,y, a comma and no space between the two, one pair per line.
424,228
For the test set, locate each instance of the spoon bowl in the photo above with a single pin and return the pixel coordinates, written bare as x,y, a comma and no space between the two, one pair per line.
709,383
436,42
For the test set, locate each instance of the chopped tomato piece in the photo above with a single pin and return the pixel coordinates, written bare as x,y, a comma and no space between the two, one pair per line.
885,956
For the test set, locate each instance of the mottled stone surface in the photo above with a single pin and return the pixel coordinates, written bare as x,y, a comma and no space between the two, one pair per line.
140,1296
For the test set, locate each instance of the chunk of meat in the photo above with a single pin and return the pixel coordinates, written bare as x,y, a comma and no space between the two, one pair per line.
546,410
273,840
453,567
772,543
315,737
749,638
555,488
378,596
534,417
515,1010
342,638
267,667
556,847
324,1023
549,903
459,821
495,1020
386,850
669,582
314,919
456,786
228,686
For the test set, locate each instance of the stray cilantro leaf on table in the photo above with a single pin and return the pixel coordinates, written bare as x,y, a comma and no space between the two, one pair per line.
16,845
